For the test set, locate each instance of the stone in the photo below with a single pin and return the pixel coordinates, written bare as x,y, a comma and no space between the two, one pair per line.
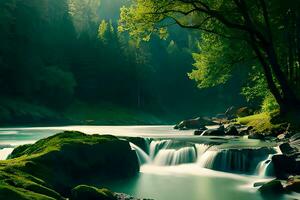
284,166
197,123
91,193
293,184
272,187
213,132
286,149
258,184
231,130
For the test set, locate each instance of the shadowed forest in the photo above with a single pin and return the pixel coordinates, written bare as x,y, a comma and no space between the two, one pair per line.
66,62
149,99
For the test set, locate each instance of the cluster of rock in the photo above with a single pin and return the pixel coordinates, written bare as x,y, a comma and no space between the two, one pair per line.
196,123
221,130
286,168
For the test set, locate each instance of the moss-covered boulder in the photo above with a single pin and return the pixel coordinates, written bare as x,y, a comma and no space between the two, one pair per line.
51,167
91,193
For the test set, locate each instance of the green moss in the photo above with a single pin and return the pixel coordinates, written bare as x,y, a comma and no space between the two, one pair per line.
51,167
92,193
8,192
56,142
260,122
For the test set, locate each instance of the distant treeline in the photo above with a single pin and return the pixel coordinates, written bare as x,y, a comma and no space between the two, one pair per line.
56,52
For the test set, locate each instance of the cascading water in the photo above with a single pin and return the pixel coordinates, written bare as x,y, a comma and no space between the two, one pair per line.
172,152
265,167
168,152
156,146
175,157
142,156
4,153
234,160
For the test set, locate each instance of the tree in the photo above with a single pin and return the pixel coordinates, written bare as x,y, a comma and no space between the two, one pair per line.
258,24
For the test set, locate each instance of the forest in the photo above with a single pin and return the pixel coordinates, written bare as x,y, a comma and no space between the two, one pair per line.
67,61
150,99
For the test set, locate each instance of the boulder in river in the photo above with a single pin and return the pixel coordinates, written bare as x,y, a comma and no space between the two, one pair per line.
91,193
272,187
284,166
287,149
51,167
200,131
231,130
214,132
293,184
197,123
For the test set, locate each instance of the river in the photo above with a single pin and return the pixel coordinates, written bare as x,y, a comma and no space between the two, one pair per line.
175,165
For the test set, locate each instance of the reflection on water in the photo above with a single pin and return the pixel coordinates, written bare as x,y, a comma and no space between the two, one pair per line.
188,182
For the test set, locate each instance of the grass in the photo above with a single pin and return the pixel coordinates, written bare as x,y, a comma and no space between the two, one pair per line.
261,122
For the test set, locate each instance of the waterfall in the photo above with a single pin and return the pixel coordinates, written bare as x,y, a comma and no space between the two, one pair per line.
234,160
201,149
156,146
4,153
265,167
172,152
142,155
168,152
175,157
207,159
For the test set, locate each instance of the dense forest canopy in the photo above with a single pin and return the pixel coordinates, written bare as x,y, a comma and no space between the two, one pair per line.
267,31
68,56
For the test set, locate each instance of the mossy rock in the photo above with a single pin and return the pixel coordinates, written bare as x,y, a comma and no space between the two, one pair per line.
91,193
51,167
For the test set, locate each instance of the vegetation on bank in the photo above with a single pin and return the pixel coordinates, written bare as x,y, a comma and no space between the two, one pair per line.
16,112
52,167
261,123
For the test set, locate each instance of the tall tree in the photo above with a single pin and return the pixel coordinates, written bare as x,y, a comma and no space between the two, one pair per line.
258,24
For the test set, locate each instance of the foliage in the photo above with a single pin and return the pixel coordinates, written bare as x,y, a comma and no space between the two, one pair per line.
269,104
215,61
55,53
256,87
260,29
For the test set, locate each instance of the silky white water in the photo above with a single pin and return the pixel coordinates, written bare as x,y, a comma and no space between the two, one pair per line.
175,164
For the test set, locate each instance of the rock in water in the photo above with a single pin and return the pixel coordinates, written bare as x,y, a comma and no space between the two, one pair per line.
199,131
272,187
51,167
293,184
214,132
286,149
231,130
284,166
197,123
91,193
